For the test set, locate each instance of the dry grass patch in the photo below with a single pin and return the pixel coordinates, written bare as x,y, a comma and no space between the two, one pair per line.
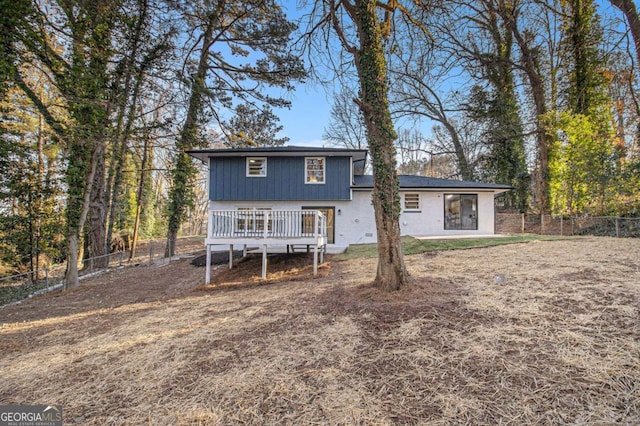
537,333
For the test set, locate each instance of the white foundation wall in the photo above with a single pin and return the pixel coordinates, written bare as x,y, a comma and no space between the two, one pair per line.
355,223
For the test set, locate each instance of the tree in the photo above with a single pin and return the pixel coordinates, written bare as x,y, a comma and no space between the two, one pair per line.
77,61
497,104
358,28
581,41
345,126
628,8
254,29
530,62
143,49
419,71
477,45
253,127
580,164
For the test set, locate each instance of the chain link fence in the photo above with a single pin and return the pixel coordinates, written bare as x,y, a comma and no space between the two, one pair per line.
20,286
606,226
14,288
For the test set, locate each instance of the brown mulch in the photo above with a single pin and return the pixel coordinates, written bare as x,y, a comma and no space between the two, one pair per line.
537,333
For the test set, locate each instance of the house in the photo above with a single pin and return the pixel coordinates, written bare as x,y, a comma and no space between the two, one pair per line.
322,197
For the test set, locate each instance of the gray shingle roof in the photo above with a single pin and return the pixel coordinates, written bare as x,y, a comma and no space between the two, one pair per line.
424,182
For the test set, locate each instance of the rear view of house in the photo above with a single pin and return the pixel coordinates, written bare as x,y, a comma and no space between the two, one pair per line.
321,196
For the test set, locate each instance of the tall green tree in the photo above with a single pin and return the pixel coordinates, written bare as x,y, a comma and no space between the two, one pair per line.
241,49
77,61
251,126
144,47
496,103
583,160
581,164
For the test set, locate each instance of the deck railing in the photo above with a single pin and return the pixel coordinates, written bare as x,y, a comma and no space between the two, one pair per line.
267,224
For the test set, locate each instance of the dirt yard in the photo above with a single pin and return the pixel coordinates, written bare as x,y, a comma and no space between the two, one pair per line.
536,333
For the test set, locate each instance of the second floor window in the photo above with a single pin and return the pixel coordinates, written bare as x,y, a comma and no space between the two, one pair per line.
314,170
256,167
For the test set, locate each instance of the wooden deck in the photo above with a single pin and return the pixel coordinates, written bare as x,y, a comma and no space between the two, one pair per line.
265,228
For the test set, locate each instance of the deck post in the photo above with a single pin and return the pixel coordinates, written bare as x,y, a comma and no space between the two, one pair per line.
244,251
315,246
315,259
207,275
264,261
230,256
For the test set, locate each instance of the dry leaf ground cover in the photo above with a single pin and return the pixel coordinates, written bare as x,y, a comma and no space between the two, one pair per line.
535,333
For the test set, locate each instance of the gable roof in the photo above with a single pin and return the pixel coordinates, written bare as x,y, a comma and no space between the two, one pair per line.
424,182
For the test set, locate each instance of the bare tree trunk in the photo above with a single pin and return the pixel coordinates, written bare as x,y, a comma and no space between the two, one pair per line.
183,171
372,69
139,195
97,211
76,227
532,70
466,171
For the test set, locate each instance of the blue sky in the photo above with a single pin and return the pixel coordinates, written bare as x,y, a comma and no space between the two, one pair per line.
304,123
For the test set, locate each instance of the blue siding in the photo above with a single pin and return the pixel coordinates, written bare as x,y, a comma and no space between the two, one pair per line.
284,180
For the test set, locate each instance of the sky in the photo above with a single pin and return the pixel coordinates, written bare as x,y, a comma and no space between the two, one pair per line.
304,123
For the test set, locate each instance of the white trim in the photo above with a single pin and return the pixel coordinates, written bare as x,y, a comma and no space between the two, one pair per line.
263,169
324,171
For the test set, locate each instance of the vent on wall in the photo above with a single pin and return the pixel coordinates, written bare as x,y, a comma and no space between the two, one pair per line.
368,234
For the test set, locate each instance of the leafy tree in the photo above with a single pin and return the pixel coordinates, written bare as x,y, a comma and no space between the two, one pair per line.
582,35
30,232
580,164
227,33
254,127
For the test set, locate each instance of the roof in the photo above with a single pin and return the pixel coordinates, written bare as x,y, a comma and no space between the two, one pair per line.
291,150
424,182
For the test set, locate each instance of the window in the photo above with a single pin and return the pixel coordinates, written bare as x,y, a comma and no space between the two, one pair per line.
461,211
314,170
412,201
256,166
250,221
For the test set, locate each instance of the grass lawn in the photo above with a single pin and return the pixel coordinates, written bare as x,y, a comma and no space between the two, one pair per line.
412,245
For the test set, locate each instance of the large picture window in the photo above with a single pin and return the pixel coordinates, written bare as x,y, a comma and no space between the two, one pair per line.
314,170
461,211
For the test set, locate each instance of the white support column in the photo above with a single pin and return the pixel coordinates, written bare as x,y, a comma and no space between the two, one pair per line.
322,254
207,275
230,256
315,259
264,262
